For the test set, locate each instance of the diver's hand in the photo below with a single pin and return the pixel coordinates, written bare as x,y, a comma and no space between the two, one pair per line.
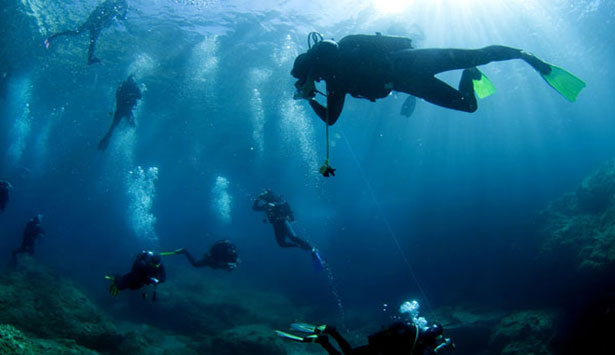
306,90
304,95
446,345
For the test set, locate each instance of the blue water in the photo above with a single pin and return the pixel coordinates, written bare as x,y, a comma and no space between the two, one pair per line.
217,123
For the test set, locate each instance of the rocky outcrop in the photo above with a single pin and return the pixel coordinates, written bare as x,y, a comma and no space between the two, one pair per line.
13,341
35,301
524,332
579,228
43,313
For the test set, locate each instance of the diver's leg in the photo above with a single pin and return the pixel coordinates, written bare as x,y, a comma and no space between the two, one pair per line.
14,255
323,340
104,142
290,234
440,93
280,235
344,345
93,37
431,61
56,35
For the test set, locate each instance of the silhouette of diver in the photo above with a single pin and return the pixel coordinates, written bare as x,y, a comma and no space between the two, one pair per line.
126,97
398,338
102,17
147,269
371,66
279,215
31,233
222,255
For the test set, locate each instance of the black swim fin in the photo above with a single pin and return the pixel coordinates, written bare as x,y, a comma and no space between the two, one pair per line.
102,145
408,107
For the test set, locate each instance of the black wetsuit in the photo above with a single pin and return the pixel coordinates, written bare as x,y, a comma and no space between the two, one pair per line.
102,17
280,215
222,255
4,194
126,98
143,272
397,339
31,233
371,66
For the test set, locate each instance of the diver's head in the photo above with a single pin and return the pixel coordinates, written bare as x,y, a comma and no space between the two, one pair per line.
265,195
154,259
38,218
302,66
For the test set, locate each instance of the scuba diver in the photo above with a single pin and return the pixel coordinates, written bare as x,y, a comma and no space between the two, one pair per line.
31,233
102,17
222,255
126,97
398,338
280,215
147,269
4,194
371,66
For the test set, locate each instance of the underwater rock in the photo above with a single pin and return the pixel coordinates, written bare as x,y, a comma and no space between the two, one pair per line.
13,341
197,304
40,303
579,227
468,326
524,332
255,339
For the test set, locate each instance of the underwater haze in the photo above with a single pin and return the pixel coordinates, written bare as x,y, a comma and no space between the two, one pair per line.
443,206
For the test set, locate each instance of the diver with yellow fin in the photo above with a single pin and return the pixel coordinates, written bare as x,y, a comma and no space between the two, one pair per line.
372,66
147,269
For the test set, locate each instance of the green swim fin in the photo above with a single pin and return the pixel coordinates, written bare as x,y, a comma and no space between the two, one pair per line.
568,85
483,87
308,328
308,339
174,252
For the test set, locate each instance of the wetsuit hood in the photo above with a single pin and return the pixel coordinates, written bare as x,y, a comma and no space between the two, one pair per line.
302,65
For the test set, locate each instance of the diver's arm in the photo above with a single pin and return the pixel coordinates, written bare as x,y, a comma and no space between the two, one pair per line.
335,103
258,205
189,257
203,262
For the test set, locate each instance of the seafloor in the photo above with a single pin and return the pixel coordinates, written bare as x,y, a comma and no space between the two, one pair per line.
42,312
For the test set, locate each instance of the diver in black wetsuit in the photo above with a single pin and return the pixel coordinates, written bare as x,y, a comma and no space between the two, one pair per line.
222,255
147,269
102,17
126,97
31,233
371,66
397,339
280,215
4,194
